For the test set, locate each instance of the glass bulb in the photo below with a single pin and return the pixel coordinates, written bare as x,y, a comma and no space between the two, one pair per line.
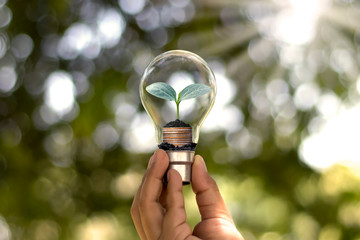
178,91
178,68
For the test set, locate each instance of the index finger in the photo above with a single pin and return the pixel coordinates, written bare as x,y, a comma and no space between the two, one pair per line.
208,197
151,211
135,212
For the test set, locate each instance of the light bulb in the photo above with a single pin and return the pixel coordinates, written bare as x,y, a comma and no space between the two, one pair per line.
178,91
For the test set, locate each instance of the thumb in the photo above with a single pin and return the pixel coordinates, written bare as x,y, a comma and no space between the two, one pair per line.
208,197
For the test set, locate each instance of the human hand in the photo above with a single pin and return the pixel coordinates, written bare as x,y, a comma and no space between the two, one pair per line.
158,211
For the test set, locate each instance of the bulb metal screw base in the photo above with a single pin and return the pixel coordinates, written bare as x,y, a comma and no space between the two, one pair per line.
182,162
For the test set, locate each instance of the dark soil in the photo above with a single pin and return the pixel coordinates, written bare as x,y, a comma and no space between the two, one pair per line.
177,123
170,147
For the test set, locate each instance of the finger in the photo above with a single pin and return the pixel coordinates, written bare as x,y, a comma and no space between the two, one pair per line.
208,197
175,225
151,211
162,198
135,214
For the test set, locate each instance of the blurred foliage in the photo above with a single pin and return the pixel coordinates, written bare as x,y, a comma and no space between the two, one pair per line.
74,138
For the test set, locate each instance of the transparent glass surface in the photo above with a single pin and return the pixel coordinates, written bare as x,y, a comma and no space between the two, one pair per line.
179,69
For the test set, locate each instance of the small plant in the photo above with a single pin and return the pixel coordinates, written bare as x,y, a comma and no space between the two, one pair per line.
165,91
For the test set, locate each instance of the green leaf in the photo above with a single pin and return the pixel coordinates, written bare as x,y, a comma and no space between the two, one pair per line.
162,90
194,91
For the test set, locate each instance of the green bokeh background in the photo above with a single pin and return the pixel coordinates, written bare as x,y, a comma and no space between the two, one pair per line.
62,178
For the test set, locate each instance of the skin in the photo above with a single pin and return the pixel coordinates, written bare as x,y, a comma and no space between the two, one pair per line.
158,211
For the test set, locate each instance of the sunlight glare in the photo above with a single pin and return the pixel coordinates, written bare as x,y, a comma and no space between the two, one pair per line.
76,40
60,92
5,16
337,141
105,136
99,227
5,233
8,78
306,96
110,27
132,7
140,137
231,116
125,185
3,44
296,24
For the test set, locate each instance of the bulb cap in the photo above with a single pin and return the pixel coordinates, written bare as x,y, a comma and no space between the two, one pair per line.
182,162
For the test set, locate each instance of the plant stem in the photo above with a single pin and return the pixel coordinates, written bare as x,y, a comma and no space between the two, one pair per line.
177,110
177,105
